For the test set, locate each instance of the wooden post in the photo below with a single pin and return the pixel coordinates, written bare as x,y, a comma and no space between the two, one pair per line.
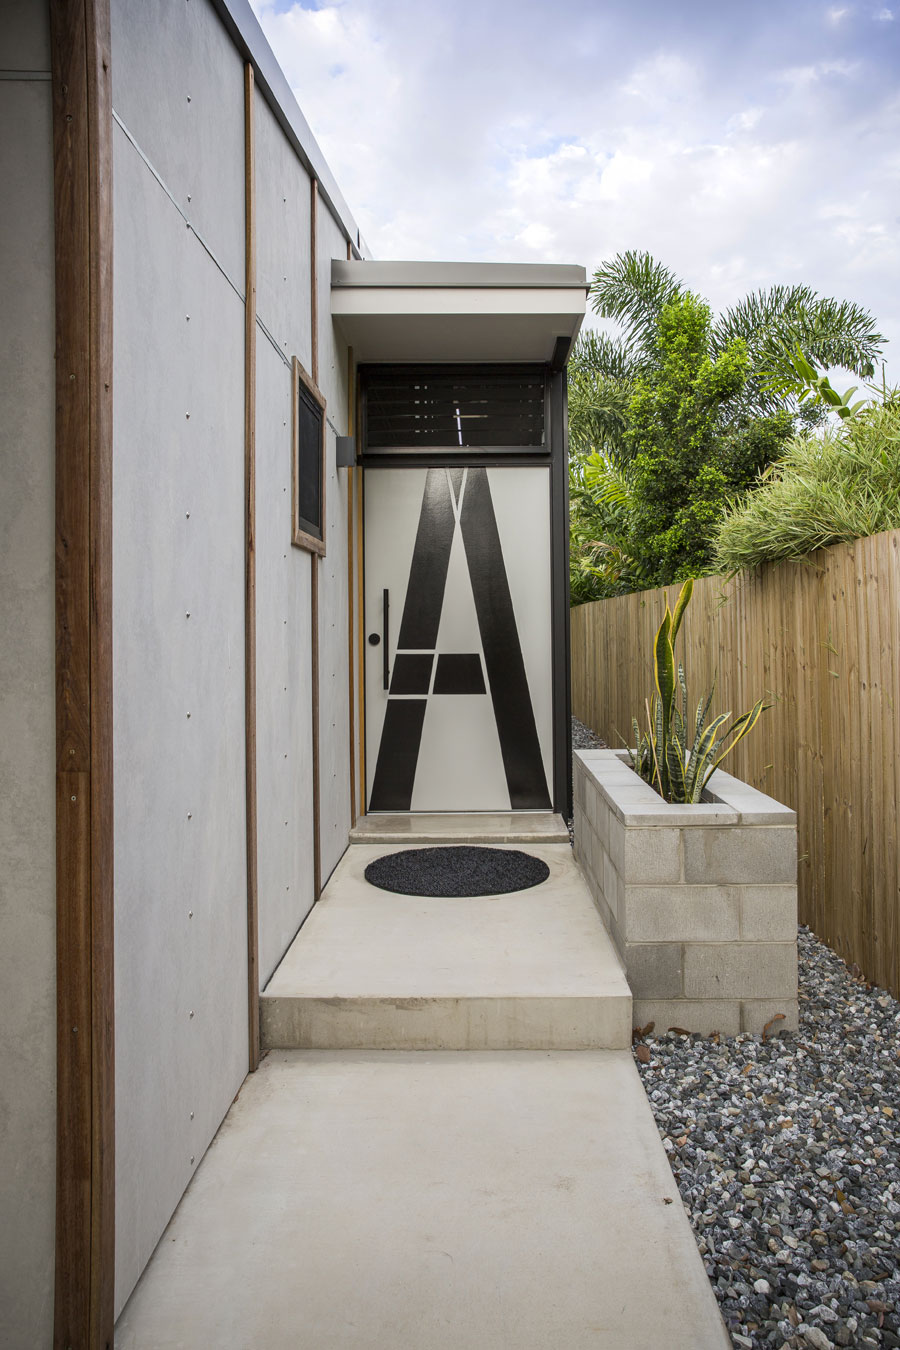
250,567
314,557
351,559
85,1173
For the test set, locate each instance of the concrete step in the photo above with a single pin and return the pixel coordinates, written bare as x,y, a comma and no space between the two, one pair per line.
516,827
533,970
357,1201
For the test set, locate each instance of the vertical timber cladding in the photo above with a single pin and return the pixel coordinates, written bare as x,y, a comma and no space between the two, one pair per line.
85,1213
469,425
250,569
314,557
351,553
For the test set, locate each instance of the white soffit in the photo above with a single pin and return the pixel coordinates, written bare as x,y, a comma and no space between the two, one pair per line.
414,311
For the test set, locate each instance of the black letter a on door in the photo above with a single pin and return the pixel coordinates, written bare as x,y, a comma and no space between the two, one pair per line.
401,735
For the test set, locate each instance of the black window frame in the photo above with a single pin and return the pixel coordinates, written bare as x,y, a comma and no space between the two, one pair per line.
469,369
306,534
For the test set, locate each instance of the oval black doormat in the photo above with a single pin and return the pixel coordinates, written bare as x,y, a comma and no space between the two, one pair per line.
459,871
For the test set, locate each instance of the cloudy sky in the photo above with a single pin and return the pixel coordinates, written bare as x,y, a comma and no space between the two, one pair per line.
743,142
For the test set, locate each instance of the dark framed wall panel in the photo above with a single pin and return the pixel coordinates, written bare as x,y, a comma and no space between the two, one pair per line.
552,454
559,552
307,497
411,410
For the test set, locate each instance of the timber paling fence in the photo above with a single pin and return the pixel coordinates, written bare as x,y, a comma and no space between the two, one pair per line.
820,639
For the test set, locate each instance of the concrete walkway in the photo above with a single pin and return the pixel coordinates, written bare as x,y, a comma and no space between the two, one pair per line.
533,970
430,1201
398,1198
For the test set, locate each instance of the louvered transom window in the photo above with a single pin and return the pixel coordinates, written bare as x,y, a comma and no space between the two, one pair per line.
412,408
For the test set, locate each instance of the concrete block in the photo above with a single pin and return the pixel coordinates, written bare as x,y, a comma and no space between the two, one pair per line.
740,970
615,932
598,854
681,913
757,1014
645,814
754,807
768,913
654,969
702,1015
616,848
611,884
739,854
581,845
602,824
650,856
591,801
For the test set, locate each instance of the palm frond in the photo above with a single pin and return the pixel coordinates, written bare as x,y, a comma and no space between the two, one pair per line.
831,333
598,412
632,288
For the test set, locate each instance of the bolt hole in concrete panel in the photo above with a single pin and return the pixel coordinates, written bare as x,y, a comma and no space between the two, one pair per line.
458,872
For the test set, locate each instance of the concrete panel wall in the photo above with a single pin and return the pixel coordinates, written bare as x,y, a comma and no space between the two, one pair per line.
179,591
283,572
283,669
283,679
282,240
177,84
178,515
27,694
334,694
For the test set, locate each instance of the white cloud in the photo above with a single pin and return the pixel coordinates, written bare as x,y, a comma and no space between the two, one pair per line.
455,140
801,77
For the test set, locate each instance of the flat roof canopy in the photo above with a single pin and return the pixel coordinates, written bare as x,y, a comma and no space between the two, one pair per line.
422,311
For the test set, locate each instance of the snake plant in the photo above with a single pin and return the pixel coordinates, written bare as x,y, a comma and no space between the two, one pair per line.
662,755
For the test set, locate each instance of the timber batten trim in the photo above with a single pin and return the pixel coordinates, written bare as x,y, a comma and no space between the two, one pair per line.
314,556
82,170
250,569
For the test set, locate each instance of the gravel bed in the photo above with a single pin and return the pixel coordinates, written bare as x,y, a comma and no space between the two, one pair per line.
585,739
787,1157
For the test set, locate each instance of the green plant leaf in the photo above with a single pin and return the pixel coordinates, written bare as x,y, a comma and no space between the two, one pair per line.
681,605
665,668
745,723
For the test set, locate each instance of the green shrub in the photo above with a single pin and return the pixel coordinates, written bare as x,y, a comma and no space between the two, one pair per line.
843,484
677,756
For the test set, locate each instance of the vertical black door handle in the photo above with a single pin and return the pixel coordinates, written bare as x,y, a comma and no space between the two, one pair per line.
384,653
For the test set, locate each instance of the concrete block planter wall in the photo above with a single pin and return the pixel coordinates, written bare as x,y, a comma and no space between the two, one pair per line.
701,901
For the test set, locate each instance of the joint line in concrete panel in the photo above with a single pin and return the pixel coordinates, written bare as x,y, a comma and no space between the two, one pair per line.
273,343
199,237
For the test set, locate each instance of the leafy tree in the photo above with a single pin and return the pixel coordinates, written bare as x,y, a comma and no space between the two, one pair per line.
680,412
687,452
633,288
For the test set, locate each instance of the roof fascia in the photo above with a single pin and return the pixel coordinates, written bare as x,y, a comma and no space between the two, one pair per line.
245,32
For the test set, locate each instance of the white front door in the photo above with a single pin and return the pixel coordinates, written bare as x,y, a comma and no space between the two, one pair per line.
458,657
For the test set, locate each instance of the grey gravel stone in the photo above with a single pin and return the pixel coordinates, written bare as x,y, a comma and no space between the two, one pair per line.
787,1156
583,739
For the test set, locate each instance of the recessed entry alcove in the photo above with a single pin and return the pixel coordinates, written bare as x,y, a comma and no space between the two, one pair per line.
462,442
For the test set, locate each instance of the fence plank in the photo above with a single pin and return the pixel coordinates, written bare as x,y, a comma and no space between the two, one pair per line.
820,639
